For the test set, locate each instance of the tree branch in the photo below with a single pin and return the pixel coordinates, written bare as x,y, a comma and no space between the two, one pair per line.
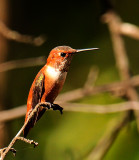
121,57
122,28
20,111
116,27
17,137
101,109
106,142
129,30
108,139
112,87
13,113
73,95
16,36
23,63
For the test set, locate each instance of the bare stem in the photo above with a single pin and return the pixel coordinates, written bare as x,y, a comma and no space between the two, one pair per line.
76,94
75,107
16,36
108,139
121,57
115,26
22,63
3,154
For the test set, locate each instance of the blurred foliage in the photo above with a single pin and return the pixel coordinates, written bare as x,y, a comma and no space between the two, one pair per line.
77,24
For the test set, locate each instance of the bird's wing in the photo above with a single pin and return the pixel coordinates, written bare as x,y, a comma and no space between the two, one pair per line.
37,92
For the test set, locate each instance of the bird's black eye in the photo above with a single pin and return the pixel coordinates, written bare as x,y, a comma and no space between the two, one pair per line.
62,54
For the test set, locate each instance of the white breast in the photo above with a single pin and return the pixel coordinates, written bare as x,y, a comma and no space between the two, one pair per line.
55,73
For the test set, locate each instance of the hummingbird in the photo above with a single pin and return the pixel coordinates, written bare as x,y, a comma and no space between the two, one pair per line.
49,82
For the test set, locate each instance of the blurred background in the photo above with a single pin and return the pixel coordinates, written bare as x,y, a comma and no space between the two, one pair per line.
77,24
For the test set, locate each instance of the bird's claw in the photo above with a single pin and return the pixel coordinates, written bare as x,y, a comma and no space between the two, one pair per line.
57,107
53,106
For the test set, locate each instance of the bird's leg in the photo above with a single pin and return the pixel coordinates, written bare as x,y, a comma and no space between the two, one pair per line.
57,107
49,105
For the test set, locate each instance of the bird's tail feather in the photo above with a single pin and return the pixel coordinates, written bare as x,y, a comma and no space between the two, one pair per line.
32,121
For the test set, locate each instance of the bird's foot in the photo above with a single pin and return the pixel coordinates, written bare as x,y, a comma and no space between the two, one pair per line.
57,107
49,105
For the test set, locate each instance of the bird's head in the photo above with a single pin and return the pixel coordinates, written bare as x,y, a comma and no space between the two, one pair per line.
60,57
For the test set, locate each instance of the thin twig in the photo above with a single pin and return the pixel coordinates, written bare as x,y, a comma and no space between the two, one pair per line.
106,142
101,109
116,28
10,114
28,141
3,154
121,57
11,149
16,36
122,63
20,111
123,28
112,87
129,30
22,63
92,77
73,95
108,139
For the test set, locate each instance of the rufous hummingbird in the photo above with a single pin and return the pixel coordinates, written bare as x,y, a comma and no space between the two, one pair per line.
49,81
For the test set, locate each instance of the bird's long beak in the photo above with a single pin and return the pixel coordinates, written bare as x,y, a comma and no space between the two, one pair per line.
86,49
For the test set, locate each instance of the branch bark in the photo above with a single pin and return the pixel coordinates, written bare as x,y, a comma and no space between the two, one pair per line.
122,61
22,63
16,36
129,30
108,139
4,16
20,111
112,87
17,137
75,95
114,23
127,85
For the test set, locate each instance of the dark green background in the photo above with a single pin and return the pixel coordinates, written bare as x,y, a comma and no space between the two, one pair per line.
77,24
